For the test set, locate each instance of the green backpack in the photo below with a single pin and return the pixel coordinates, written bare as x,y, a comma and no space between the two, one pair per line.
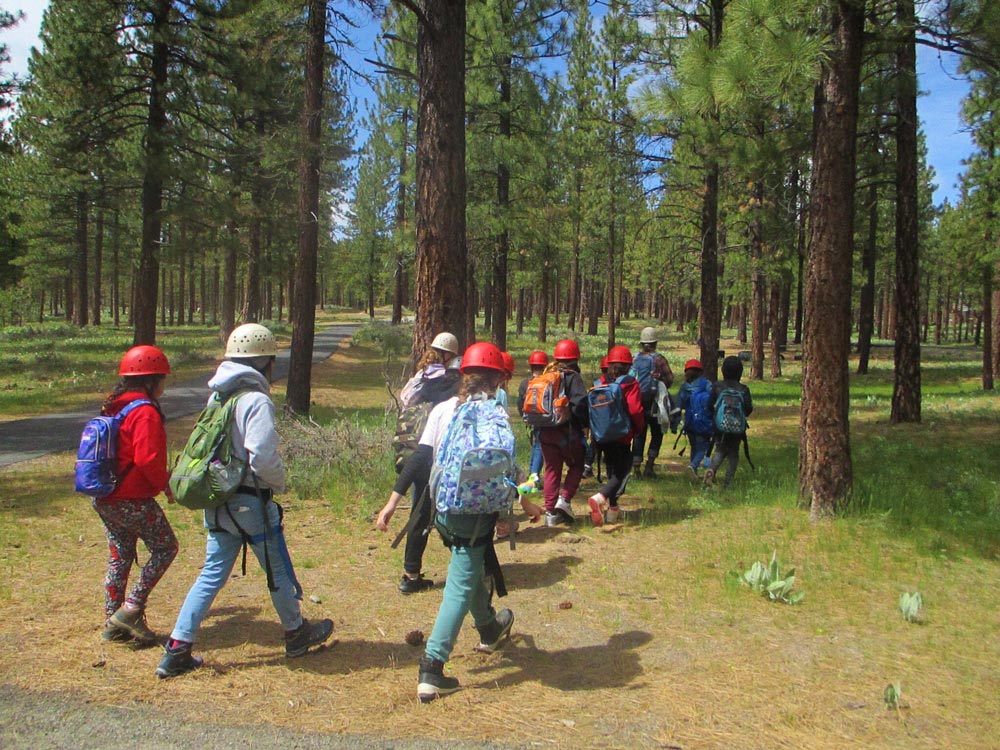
207,473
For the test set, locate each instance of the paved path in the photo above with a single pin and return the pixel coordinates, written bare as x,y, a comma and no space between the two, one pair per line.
24,439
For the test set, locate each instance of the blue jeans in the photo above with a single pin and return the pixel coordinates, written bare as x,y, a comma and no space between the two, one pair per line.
699,448
535,463
224,546
466,589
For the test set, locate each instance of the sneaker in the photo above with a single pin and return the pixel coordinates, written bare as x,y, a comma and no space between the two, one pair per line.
409,585
112,632
492,635
612,514
308,634
177,661
432,682
588,471
709,477
648,472
563,506
693,471
596,503
553,518
133,622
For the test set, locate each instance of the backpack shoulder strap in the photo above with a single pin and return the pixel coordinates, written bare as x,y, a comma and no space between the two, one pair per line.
125,410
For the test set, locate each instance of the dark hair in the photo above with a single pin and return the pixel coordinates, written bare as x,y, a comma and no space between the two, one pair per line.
732,368
479,380
616,370
128,383
258,363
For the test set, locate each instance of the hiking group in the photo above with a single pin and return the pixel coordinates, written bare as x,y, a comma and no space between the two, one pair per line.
454,452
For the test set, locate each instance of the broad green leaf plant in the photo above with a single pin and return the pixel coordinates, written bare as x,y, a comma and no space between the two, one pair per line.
768,581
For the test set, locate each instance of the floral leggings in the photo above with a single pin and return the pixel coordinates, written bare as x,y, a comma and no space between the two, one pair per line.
125,522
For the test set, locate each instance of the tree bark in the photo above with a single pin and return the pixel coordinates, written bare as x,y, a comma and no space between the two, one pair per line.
906,389
758,285
442,302
825,469
154,158
866,305
80,294
302,311
987,318
399,286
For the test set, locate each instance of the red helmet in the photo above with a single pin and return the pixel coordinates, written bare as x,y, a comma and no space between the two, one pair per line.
482,354
144,360
567,350
620,355
508,363
693,364
604,362
538,357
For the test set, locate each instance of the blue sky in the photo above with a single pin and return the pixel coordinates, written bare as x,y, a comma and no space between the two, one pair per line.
939,106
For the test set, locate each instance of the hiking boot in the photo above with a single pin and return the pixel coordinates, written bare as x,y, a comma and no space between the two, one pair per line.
415,585
588,471
563,506
648,472
596,503
133,622
308,634
177,661
709,477
492,635
612,514
112,632
432,682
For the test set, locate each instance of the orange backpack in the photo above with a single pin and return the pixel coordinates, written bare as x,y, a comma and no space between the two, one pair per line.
545,400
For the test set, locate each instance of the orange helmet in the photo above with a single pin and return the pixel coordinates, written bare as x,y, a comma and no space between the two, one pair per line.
482,354
619,354
567,350
144,360
538,357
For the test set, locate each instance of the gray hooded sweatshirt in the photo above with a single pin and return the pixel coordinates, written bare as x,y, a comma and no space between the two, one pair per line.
254,437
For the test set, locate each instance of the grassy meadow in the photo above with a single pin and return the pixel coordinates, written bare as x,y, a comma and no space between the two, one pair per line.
639,635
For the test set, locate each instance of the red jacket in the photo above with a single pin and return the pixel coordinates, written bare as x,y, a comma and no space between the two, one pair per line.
142,450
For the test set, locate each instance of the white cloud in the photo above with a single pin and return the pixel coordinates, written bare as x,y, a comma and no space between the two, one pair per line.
21,38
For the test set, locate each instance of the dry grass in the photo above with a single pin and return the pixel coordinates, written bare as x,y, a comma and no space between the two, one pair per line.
658,648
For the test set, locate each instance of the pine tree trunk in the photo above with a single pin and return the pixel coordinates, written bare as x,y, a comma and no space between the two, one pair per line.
302,312
147,279
95,316
758,286
442,291
825,469
775,324
399,287
906,389
80,293
866,305
987,321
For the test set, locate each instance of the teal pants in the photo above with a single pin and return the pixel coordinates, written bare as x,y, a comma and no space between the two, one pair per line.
467,589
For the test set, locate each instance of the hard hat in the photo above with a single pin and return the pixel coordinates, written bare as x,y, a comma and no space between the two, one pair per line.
620,355
446,342
604,362
144,360
567,350
251,340
538,357
648,335
693,364
482,354
508,363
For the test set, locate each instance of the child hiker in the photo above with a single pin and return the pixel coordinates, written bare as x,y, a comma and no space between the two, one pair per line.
728,439
693,398
564,444
618,453
648,367
130,513
469,535
251,516
435,381
537,361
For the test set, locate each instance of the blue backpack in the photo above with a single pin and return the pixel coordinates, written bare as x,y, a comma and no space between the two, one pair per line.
609,418
642,370
97,458
474,470
729,415
697,419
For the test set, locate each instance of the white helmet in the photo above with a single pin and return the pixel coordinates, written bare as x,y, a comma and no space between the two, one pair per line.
648,335
251,340
446,342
